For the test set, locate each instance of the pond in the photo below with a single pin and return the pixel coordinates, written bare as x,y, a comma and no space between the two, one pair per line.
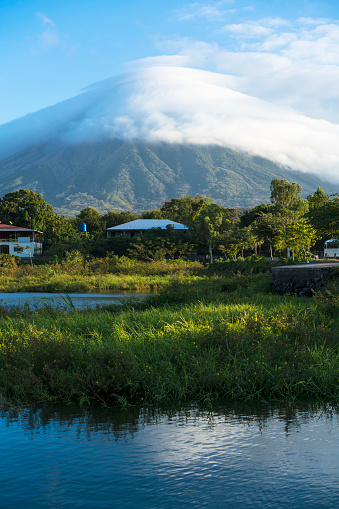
36,300
234,456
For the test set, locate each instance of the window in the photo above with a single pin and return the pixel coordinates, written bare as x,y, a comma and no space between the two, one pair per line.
332,245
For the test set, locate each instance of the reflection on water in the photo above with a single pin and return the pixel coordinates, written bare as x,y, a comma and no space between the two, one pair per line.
37,300
237,455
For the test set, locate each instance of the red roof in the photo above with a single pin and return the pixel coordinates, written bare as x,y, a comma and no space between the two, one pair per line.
11,227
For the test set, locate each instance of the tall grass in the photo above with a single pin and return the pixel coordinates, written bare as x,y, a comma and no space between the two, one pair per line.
200,338
77,274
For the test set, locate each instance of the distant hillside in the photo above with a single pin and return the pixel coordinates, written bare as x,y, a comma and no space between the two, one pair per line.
139,176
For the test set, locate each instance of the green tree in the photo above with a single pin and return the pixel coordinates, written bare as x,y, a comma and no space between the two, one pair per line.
286,200
231,247
234,216
318,199
151,214
26,209
209,226
57,229
237,240
113,218
250,216
298,237
158,243
148,249
285,195
118,245
184,210
93,219
29,210
246,237
325,217
267,226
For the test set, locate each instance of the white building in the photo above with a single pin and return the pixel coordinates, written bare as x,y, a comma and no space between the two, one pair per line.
133,228
23,242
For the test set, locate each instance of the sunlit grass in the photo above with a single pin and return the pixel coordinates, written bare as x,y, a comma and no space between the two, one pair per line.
77,275
202,338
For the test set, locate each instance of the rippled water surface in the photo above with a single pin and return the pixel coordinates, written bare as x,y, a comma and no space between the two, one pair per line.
236,456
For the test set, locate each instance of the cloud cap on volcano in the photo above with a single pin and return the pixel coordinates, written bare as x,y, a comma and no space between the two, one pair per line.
181,105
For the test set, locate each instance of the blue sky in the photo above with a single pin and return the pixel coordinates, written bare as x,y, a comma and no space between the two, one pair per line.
257,76
51,50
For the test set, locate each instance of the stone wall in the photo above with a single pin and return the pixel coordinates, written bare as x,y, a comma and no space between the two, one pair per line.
303,279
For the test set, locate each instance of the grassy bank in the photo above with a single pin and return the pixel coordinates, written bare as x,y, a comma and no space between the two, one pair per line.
202,337
76,274
65,283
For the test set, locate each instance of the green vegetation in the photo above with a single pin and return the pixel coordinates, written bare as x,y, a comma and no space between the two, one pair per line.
126,176
324,215
29,210
76,273
210,332
297,236
287,222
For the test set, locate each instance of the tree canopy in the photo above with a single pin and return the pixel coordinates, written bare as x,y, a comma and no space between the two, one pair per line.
318,199
325,217
211,226
286,199
184,210
26,209
93,219
29,210
298,237
251,215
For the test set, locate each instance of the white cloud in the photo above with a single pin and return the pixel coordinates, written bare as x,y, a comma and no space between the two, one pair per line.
313,21
45,19
206,11
275,94
196,53
162,60
248,29
275,22
293,64
48,37
180,105
275,42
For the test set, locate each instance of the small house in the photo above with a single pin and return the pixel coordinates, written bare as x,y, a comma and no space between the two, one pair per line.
134,228
23,242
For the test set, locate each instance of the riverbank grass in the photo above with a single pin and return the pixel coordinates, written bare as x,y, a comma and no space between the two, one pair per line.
76,274
201,338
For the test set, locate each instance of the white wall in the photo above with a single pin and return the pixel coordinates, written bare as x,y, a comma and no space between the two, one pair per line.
29,248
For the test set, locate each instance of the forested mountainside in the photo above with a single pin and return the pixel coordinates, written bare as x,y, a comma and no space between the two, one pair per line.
112,174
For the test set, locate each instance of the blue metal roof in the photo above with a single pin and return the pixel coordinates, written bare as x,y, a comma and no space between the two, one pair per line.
146,224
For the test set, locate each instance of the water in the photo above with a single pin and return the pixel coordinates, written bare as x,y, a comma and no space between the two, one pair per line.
36,300
236,456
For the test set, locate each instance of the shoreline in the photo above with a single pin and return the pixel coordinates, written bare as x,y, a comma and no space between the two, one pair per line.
201,338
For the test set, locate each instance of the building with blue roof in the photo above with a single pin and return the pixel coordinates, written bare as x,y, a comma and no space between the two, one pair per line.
133,228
